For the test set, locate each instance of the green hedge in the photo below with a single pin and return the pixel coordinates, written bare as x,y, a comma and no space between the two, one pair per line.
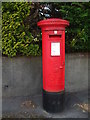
17,25
16,38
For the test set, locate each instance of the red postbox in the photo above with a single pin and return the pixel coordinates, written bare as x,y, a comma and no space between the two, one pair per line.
53,59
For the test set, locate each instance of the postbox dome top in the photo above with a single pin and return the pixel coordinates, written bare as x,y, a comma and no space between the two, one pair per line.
53,21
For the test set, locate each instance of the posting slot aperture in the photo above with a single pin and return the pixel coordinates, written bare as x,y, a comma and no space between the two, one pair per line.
55,36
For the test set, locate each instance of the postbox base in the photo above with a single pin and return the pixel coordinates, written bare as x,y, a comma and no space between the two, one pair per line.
53,101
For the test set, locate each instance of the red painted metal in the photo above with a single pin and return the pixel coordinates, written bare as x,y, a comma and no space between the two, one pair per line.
53,31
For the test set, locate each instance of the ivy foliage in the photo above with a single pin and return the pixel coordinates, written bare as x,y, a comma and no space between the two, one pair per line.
77,33
16,37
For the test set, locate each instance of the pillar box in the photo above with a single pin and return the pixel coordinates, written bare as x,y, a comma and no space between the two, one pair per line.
53,59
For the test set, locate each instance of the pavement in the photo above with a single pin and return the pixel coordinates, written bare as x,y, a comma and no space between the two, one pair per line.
31,107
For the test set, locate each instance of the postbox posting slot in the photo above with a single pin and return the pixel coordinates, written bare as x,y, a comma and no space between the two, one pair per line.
55,36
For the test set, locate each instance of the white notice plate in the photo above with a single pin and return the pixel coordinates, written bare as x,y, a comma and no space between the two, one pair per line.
55,49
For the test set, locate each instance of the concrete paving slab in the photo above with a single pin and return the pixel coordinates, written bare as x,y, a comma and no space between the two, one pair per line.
19,107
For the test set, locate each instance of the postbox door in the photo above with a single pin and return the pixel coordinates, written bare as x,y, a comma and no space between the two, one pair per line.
55,61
